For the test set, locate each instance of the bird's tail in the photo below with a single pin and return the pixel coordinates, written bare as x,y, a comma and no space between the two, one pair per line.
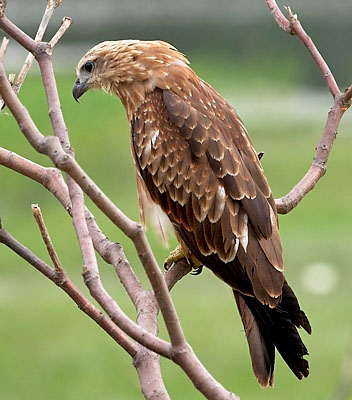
267,328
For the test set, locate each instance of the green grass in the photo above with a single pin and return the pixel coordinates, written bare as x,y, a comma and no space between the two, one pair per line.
50,350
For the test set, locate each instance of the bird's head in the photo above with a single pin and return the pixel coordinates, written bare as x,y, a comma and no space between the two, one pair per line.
128,68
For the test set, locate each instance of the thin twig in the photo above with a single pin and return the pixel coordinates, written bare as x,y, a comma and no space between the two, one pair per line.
294,27
3,48
60,279
37,213
65,24
51,5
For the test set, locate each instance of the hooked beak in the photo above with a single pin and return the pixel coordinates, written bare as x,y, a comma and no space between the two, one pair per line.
79,88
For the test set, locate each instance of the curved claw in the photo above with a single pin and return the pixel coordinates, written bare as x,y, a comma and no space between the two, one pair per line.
197,271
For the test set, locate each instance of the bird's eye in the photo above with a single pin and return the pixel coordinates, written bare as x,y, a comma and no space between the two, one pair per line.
88,67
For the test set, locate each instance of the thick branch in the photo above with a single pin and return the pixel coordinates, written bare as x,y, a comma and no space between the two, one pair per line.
50,178
176,272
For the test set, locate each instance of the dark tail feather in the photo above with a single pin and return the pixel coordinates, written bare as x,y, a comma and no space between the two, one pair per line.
261,347
267,328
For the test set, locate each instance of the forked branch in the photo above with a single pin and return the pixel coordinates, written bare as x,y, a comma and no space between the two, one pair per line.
60,278
342,101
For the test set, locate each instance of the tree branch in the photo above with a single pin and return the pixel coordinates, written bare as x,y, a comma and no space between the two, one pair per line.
146,362
3,48
60,278
341,104
65,24
50,7
37,213
318,167
294,27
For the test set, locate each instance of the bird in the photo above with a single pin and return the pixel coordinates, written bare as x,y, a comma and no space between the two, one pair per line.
195,162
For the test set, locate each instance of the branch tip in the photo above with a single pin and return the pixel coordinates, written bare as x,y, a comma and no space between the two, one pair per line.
291,15
37,213
65,24
3,48
57,3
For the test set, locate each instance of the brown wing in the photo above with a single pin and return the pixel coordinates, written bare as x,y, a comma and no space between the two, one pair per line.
198,164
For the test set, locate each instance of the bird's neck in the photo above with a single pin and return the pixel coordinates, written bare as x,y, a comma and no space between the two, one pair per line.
132,95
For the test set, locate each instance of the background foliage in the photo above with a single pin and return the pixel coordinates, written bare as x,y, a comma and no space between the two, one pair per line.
51,350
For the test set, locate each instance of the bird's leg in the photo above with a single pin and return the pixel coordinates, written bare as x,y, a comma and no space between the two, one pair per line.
179,254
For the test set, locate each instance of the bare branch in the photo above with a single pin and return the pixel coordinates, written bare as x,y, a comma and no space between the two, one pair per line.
113,254
318,168
347,97
44,176
51,5
65,24
341,103
3,48
294,27
38,37
280,19
117,315
50,178
37,213
60,279
176,272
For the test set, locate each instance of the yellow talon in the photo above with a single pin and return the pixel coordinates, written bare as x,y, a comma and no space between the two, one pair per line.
179,254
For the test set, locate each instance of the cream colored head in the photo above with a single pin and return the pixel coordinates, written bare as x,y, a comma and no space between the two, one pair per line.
113,64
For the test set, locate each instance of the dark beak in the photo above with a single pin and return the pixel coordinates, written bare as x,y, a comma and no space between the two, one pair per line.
79,88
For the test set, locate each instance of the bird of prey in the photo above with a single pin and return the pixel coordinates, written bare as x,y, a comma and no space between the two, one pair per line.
194,159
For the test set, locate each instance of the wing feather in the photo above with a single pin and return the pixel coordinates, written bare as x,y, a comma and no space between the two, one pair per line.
201,168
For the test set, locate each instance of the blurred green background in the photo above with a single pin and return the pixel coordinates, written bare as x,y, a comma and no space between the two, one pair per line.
49,349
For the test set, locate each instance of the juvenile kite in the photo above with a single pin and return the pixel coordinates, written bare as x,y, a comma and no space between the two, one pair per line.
194,159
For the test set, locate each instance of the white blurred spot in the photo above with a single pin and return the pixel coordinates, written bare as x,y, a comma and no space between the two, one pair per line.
320,278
